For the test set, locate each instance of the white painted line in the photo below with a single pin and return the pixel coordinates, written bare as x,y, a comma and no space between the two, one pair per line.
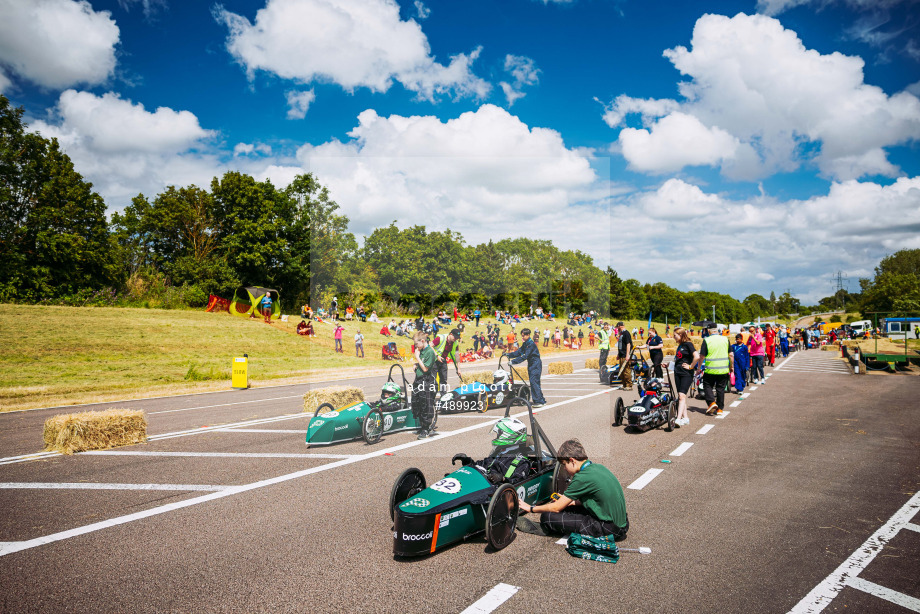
735,403
95,486
912,527
905,601
721,416
783,364
480,416
564,541
646,477
753,388
581,389
242,430
215,454
744,395
12,547
171,411
822,595
491,600
706,428
679,450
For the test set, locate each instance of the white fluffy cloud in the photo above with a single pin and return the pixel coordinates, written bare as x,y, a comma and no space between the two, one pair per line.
125,149
354,43
761,244
458,173
56,43
754,82
299,103
523,72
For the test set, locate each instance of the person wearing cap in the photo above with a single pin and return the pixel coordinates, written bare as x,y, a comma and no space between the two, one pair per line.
624,351
592,504
603,344
445,347
719,363
531,353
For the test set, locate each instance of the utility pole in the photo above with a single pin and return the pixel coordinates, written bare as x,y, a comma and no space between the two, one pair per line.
841,280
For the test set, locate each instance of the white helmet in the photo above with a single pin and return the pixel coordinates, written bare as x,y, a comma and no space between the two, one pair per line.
500,376
509,431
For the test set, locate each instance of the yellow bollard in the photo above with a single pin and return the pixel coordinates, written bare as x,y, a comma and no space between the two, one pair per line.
240,378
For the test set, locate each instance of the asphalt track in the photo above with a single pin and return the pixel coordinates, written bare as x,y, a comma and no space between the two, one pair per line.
802,496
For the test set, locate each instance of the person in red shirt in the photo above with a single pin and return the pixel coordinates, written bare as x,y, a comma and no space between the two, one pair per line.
770,339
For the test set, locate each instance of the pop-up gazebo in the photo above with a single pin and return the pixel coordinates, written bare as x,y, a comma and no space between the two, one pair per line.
246,301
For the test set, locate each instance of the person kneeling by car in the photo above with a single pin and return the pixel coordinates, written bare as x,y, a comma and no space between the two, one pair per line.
593,504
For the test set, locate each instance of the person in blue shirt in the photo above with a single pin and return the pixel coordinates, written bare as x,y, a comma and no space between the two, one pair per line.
477,314
265,305
531,353
742,360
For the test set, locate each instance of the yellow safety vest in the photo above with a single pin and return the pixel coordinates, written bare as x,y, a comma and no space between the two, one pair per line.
717,355
603,338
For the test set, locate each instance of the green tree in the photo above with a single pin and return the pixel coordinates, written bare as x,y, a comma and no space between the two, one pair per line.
896,285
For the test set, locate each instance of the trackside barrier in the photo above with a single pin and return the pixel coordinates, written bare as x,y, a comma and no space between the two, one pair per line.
853,360
239,379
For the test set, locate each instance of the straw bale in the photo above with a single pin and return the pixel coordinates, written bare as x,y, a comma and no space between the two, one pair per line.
94,430
670,351
484,377
593,363
561,368
338,396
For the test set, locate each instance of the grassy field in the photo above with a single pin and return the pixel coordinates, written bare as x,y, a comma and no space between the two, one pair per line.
72,355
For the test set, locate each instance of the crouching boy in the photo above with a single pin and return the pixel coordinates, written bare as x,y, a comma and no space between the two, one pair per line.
593,504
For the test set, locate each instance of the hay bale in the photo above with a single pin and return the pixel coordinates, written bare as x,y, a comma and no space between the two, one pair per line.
670,351
561,368
337,396
592,363
484,377
94,430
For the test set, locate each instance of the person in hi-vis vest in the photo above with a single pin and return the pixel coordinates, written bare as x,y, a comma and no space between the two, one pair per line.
719,363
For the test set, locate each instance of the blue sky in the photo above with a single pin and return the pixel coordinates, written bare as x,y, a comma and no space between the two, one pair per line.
741,147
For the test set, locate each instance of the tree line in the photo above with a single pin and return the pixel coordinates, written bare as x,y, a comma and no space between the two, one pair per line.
177,247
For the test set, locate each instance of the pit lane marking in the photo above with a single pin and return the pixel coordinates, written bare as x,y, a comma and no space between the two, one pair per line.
706,428
243,430
679,450
490,601
722,415
103,486
645,478
824,593
216,454
11,547
735,403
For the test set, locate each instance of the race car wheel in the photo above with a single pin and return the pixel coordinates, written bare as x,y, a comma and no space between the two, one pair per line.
672,417
322,409
372,428
561,479
407,485
502,517
619,412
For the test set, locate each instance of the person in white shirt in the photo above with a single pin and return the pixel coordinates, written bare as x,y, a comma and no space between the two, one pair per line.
359,344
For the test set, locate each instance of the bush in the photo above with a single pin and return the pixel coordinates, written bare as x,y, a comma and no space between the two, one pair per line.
835,318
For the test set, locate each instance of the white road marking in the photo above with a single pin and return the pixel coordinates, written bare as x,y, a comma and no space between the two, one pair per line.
822,595
735,403
480,416
753,388
644,479
581,389
721,416
905,601
564,541
744,395
911,526
215,454
679,450
242,430
171,411
491,600
706,428
11,547
783,364
98,486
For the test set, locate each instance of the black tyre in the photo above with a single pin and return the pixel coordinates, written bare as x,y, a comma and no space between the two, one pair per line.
671,423
407,485
322,409
561,479
619,412
502,517
372,428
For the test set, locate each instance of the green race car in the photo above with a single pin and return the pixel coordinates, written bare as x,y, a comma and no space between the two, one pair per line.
364,419
479,497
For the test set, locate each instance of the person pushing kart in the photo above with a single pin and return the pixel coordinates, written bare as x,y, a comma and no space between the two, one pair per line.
593,504
445,346
531,353
424,387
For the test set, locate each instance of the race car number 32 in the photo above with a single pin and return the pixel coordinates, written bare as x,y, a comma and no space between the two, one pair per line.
450,486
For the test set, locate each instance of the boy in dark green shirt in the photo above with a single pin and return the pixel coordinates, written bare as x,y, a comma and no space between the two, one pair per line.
423,388
593,504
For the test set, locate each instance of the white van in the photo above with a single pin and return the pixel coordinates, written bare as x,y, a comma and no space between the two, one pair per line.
861,326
